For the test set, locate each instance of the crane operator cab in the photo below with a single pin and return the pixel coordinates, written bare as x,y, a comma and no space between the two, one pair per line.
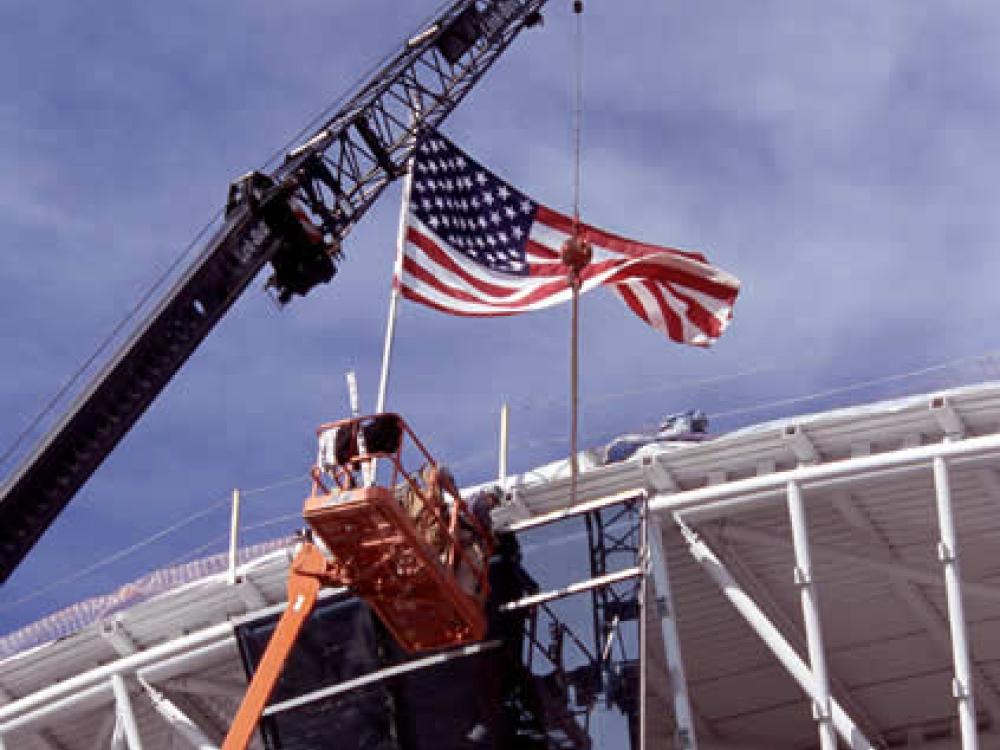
410,547
306,254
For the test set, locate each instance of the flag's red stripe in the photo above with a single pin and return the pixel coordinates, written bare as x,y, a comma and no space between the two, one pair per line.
675,328
648,285
412,294
658,272
541,251
554,271
712,288
665,273
540,293
633,302
697,313
608,240
442,258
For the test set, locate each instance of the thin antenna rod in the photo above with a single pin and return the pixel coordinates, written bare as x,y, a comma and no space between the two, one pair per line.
577,105
504,438
576,253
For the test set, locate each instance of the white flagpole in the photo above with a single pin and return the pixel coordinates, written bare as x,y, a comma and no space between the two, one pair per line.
397,273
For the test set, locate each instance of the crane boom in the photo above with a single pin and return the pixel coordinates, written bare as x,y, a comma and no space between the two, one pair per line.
295,218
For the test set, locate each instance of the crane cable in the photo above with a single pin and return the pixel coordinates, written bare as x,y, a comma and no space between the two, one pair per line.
575,252
577,107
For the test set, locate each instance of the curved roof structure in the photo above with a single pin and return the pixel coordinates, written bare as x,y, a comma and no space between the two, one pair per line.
834,573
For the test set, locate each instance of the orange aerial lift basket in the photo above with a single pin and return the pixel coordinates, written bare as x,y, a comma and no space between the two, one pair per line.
410,548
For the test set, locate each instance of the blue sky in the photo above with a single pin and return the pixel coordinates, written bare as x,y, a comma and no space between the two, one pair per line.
840,159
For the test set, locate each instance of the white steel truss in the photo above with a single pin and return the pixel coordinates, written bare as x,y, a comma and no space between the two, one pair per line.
170,672
913,597
765,597
772,637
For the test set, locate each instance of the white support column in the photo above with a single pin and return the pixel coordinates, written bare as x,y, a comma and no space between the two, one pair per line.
178,720
504,445
788,624
914,598
948,554
126,718
643,626
811,616
771,636
234,537
686,738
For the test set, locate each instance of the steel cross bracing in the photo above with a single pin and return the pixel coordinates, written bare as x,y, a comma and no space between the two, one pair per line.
557,712
338,173
615,541
342,169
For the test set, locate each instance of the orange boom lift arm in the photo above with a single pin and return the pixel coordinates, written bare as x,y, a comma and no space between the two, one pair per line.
411,549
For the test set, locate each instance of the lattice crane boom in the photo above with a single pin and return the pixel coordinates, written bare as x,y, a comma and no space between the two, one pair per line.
296,218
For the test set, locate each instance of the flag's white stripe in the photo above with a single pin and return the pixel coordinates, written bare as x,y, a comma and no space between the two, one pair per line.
451,304
547,236
718,308
479,307
468,265
520,287
691,333
554,239
654,314
483,302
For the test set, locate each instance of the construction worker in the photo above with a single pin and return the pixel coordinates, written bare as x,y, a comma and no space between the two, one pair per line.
476,539
426,506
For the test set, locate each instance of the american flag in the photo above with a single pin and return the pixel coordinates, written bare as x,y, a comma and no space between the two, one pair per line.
477,246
